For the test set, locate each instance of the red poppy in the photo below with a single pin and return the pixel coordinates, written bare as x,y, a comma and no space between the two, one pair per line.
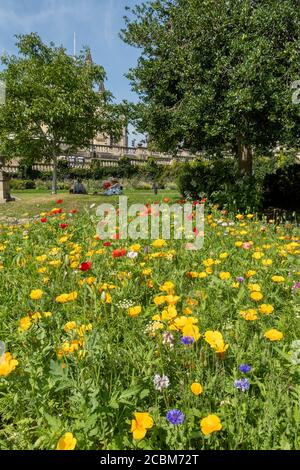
56,211
44,220
195,203
106,243
63,226
166,199
86,266
203,199
116,236
59,201
118,253
195,230
73,211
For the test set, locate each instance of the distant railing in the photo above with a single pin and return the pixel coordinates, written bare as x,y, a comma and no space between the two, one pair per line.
108,156
143,152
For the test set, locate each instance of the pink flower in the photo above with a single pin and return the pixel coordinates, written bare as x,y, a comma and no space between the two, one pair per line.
246,245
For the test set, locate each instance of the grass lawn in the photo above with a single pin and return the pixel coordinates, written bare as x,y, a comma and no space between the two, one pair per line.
32,202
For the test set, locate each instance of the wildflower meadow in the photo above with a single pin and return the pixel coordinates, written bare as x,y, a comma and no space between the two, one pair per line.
143,344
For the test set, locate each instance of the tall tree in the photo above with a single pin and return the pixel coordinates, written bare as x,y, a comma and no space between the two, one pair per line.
53,104
217,74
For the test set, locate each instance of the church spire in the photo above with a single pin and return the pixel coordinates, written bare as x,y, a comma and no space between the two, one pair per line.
101,87
88,57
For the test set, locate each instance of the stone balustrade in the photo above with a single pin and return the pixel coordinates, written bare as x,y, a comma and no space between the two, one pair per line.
108,156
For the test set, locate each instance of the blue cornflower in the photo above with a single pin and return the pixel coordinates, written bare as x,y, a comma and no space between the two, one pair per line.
245,368
175,417
240,279
242,384
187,340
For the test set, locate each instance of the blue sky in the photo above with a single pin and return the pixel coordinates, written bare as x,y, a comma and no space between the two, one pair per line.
96,23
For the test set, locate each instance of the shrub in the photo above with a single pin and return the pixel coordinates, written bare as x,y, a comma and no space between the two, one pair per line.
26,172
46,176
217,179
152,169
81,173
97,169
136,183
125,168
205,177
282,188
244,195
21,184
63,169
170,173
99,172
41,184
63,185
170,185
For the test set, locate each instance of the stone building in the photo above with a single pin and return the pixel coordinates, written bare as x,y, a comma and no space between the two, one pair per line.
105,149
104,139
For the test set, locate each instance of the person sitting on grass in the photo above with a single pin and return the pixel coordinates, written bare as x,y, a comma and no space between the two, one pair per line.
79,188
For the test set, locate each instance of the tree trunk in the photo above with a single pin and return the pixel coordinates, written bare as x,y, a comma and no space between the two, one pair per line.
245,158
54,175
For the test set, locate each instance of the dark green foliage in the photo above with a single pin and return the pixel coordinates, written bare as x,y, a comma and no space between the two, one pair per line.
27,172
52,105
282,188
217,74
205,177
152,170
218,181
79,173
244,194
63,169
125,168
22,184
